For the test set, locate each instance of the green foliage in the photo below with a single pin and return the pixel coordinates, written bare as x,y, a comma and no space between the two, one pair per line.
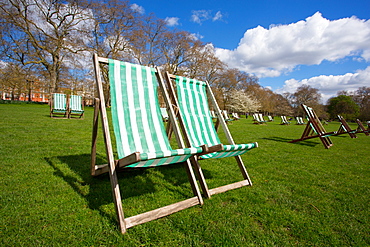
302,193
343,105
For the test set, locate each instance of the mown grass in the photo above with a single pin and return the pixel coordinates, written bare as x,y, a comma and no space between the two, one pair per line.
302,194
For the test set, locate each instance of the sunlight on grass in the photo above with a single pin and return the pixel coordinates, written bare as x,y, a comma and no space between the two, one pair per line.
302,193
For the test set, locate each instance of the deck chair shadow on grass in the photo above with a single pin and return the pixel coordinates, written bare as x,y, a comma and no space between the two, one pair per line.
76,106
139,132
196,123
345,129
58,105
315,129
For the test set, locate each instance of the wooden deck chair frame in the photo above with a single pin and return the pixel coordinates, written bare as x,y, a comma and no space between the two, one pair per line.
345,129
315,129
76,106
113,165
361,128
206,191
59,105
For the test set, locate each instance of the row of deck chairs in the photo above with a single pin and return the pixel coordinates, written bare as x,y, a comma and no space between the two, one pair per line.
66,107
315,129
258,119
141,139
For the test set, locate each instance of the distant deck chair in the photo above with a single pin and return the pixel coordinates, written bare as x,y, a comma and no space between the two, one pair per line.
258,118
139,132
315,129
284,121
196,122
235,115
261,119
58,105
213,114
227,117
164,114
270,119
76,106
300,121
361,128
345,129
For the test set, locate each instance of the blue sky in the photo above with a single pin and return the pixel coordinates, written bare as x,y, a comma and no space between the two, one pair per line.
286,43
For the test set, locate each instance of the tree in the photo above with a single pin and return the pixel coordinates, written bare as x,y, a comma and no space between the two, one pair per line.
307,95
343,105
44,32
14,78
282,105
362,98
241,102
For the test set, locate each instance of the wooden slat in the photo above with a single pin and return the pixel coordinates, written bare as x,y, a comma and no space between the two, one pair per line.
94,137
108,146
160,212
232,186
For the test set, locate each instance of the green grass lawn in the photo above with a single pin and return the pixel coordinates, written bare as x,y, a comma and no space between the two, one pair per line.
302,193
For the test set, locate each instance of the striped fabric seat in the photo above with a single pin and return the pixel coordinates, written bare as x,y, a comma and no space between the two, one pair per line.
194,108
58,105
137,119
75,104
59,102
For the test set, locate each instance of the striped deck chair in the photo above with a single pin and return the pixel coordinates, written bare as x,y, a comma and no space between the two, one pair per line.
258,118
270,119
76,106
361,128
227,117
235,115
139,132
196,121
300,121
345,129
284,121
164,114
315,129
58,105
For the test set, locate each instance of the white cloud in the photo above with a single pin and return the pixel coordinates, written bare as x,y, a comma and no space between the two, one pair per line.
196,36
329,85
137,8
218,16
199,16
172,21
279,49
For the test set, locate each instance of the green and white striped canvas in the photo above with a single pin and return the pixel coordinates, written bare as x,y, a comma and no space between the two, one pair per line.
59,102
194,108
137,119
75,104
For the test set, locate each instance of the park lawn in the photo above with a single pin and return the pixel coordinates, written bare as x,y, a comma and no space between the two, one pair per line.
302,193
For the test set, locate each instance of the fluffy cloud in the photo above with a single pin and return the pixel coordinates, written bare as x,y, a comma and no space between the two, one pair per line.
172,21
279,49
137,8
329,85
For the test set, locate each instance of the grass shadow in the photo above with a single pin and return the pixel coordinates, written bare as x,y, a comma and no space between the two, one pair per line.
75,170
286,140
